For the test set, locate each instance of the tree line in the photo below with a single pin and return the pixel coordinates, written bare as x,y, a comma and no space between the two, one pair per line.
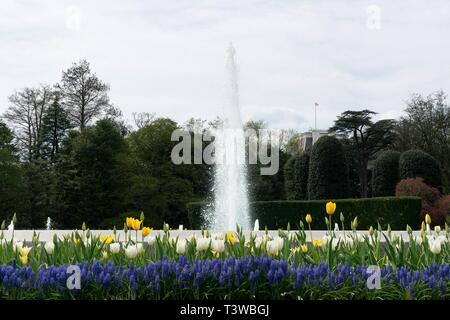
381,158
66,152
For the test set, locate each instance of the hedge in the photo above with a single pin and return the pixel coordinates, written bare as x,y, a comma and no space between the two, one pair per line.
395,211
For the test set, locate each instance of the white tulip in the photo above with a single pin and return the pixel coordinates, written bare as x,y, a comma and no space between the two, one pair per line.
114,247
203,244
435,246
49,247
334,243
131,251
437,229
181,246
258,242
140,248
218,246
280,242
273,247
151,241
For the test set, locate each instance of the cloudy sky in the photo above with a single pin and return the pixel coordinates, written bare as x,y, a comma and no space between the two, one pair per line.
168,56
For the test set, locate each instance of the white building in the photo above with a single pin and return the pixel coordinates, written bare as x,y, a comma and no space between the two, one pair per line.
307,139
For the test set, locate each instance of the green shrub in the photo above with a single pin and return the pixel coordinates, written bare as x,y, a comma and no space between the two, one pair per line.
328,172
289,178
416,163
396,211
385,174
296,173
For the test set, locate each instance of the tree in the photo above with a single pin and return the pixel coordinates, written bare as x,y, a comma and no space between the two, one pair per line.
416,163
293,144
26,114
368,138
264,187
159,187
426,126
84,95
55,127
11,187
328,173
93,176
296,172
141,119
37,196
385,174
354,190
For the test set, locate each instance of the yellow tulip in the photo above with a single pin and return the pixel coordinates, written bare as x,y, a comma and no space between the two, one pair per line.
146,231
136,224
105,255
231,238
308,218
129,223
304,248
427,219
317,243
76,240
331,208
24,251
106,239
24,259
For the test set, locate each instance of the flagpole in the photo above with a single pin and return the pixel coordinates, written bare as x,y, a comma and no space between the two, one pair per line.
315,115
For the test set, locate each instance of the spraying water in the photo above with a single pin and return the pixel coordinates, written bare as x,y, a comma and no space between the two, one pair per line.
230,180
48,225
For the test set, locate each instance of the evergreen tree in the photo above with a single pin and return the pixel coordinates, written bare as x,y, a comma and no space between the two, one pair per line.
328,174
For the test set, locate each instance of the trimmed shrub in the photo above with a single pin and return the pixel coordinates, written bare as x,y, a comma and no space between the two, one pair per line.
289,178
396,211
385,174
416,163
296,173
328,172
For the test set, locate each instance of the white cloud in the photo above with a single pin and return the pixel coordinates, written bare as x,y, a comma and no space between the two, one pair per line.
168,56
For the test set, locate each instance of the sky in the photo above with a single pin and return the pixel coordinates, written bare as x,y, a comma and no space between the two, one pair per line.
168,57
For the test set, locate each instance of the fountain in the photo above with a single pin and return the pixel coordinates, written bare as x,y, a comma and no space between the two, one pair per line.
48,224
231,207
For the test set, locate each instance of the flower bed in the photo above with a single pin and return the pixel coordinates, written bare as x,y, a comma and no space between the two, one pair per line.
230,265
243,278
